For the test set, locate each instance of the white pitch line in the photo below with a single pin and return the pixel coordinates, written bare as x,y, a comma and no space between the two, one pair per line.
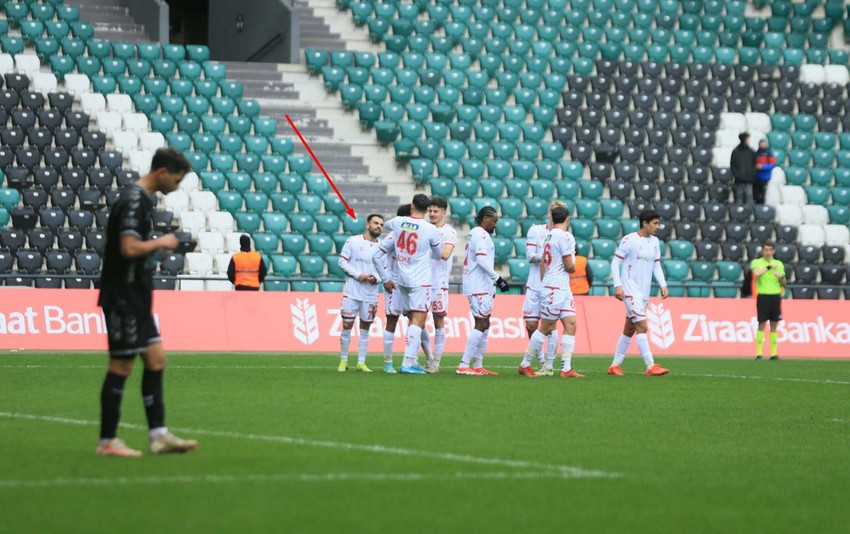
566,470
283,477
776,378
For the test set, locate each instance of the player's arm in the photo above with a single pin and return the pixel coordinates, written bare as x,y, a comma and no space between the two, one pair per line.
569,263
533,252
616,263
231,271
448,248
760,271
133,247
380,255
263,270
658,272
344,262
483,264
780,275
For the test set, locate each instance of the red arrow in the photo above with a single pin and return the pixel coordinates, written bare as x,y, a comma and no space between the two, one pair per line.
319,163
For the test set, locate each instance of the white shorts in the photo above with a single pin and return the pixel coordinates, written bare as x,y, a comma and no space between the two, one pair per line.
635,307
440,301
391,303
351,308
481,304
412,299
531,305
557,303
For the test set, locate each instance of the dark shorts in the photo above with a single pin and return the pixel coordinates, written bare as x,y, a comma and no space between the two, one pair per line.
769,308
130,331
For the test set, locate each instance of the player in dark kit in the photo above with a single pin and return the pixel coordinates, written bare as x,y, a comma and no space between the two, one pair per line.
126,296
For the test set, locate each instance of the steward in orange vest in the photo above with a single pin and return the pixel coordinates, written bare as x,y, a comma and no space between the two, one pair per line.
582,278
247,270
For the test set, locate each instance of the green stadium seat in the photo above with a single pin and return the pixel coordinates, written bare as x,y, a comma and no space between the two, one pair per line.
608,228
311,266
603,248
519,269
327,223
222,163
320,244
582,228
680,250
301,223
213,181
283,265
332,262
256,201
586,208
265,182
230,201
247,221
274,222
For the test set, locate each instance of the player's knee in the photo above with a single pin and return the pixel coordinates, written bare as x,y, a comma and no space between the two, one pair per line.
365,325
530,327
347,325
121,367
154,357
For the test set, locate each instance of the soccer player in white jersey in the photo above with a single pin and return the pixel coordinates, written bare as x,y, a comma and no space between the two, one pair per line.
440,271
360,294
414,241
391,304
557,303
533,289
635,261
479,276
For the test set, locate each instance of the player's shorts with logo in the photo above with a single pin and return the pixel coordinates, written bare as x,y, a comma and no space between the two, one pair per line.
769,308
352,308
413,299
481,304
440,301
557,303
391,302
531,304
635,306
130,328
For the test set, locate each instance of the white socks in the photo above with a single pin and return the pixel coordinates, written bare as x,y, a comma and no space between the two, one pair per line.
551,349
478,360
622,347
535,345
362,345
568,344
344,342
426,343
472,344
389,337
414,339
439,343
645,352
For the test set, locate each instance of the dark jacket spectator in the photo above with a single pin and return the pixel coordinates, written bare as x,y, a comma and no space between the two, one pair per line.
743,164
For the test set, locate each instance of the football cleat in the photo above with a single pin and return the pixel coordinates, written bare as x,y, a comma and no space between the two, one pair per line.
343,366
361,367
527,371
484,372
571,374
656,370
774,357
412,370
758,357
389,369
168,443
545,371
433,367
615,370
468,371
116,447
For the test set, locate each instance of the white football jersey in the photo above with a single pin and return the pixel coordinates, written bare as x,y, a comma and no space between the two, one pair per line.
413,241
557,245
356,258
638,256
479,280
534,248
441,269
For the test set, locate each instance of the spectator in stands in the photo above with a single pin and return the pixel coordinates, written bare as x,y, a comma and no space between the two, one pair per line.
743,164
765,162
247,270
582,278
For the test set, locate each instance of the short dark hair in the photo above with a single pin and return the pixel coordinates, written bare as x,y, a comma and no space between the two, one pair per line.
439,202
373,215
403,210
486,211
559,215
768,243
648,216
421,202
743,137
171,159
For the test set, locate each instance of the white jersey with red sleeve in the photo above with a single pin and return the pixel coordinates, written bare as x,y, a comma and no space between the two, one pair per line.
534,254
478,265
356,258
557,245
440,268
637,258
416,242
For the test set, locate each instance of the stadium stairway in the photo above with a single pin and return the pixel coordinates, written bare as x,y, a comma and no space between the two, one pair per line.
324,26
111,20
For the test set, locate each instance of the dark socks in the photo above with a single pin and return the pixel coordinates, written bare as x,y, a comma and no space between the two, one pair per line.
110,404
152,397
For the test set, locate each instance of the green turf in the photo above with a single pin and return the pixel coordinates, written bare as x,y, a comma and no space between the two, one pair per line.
718,445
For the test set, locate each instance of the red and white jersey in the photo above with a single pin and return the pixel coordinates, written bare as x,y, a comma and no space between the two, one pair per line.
557,245
414,242
638,256
356,258
441,269
478,271
534,253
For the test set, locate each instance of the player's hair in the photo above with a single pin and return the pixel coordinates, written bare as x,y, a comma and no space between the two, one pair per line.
171,159
743,137
486,211
439,202
559,214
421,202
373,215
403,211
557,204
648,216
768,243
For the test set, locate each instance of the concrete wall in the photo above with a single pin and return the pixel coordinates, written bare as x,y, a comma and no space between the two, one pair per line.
240,30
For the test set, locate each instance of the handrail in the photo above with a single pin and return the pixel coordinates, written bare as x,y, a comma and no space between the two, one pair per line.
277,38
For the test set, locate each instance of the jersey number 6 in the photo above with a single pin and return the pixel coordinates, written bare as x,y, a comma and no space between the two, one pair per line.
547,254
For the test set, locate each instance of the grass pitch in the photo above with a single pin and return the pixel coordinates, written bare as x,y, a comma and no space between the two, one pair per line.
289,444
